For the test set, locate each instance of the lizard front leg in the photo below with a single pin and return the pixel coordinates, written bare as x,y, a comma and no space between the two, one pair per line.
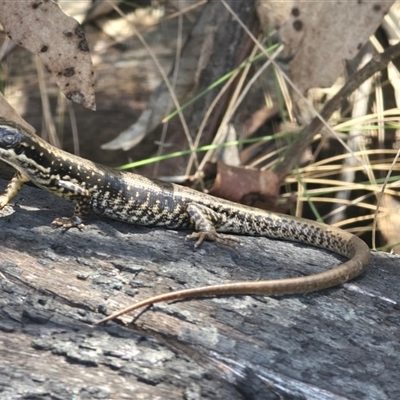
78,195
13,187
205,222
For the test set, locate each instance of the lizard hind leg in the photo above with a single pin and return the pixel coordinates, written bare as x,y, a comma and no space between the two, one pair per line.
206,221
81,197
82,208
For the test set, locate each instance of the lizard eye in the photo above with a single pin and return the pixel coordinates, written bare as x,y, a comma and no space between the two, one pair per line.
8,139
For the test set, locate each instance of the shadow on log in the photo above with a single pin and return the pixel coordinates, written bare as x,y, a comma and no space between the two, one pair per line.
339,343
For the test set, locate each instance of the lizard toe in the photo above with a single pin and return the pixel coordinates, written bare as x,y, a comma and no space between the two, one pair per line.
68,223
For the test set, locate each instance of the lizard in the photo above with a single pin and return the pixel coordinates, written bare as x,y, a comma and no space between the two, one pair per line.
135,199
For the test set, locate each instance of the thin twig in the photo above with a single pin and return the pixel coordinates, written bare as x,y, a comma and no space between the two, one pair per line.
378,62
381,197
167,83
46,109
178,52
289,81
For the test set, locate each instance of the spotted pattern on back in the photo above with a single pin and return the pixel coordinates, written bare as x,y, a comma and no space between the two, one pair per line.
135,199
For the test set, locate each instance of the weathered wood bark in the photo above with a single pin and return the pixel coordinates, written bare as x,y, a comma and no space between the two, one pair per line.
339,343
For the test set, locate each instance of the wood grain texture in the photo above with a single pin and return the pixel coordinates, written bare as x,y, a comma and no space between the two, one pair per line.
338,343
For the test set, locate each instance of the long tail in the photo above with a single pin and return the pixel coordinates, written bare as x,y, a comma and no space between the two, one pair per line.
341,242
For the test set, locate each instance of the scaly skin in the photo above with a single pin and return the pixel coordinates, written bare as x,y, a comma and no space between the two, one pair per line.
138,200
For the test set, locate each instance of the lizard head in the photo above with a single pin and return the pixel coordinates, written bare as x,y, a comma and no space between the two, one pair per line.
31,155
20,148
12,142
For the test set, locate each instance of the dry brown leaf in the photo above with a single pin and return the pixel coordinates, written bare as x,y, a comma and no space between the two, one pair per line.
44,29
248,186
257,119
321,35
389,224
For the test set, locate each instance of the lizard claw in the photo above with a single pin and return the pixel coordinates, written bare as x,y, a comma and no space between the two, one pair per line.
68,222
213,237
3,201
198,236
